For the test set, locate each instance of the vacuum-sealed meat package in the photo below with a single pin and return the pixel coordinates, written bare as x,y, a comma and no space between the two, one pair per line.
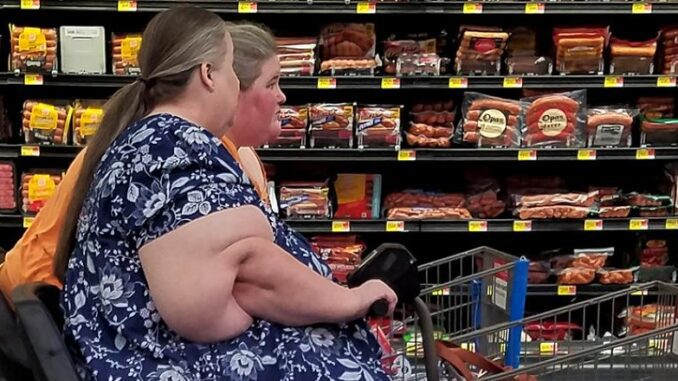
125,53
431,124
669,38
489,121
305,200
555,120
331,125
394,49
591,258
480,50
88,115
656,107
378,126
576,276
33,49
632,57
296,55
580,50
46,122
658,132
7,187
610,127
616,276
348,49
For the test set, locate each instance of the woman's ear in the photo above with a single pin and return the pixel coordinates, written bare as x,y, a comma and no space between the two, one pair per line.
206,76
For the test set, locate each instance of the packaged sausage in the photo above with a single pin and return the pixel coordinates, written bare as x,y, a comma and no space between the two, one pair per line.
609,127
378,126
616,276
648,200
33,49
421,135
419,64
293,123
551,331
352,45
580,50
440,106
433,118
591,258
86,120
485,204
632,57
83,49
358,196
653,252
46,122
614,211
393,49
331,125
342,253
422,199
489,121
125,53
305,200
552,212
576,199
296,55
413,213
656,107
529,65
669,61
538,272
7,187
480,50
431,124
555,120
658,132
37,187
348,66
576,276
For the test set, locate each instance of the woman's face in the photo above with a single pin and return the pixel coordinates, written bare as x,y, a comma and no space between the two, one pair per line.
257,119
226,85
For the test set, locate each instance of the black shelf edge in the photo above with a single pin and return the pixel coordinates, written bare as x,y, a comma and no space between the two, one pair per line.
11,221
565,292
341,7
354,226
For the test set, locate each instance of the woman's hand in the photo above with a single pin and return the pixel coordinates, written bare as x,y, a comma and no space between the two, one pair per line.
372,291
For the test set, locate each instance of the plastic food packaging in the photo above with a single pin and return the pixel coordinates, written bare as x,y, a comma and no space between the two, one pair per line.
576,276
293,122
342,253
551,330
83,49
305,200
614,211
7,187
609,127
654,252
433,118
331,125
656,107
555,120
485,204
378,126
125,53
421,199
641,319
421,135
643,199
658,211
46,122
393,49
37,187
616,276
576,199
632,57
669,38
431,124
580,50
345,66
6,130
553,212
658,132
33,49
480,50
420,64
86,120
427,213
529,65
358,196
296,55
489,121
591,258
353,43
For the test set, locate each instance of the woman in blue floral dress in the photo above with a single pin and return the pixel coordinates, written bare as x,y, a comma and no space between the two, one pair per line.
156,175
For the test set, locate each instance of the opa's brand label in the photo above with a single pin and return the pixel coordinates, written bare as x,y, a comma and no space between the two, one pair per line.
492,123
552,122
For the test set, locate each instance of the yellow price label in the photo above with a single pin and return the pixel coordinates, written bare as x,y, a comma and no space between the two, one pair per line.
395,226
366,8
613,81
28,221
567,290
441,292
593,225
341,226
458,83
30,4
640,293
527,155
534,8
471,347
407,155
522,226
390,83
477,226
672,224
502,348
641,8
513,82
472,8
33,79
30,150
327,83
548,348
645,154
638,224
586,154
666,81
490,290
127,5
247,7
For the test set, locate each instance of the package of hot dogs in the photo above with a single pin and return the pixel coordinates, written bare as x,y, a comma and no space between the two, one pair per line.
416,204
125,53
556,120
591,258
489,121
7,187
378,126
658,132
431,124
580,50
616,276
293,123
296,55
87,116
33,49
576,276
348,49
576,199
669,38
632,57
331,125
610,127
305,200
37,187
480,50
46,122
342,253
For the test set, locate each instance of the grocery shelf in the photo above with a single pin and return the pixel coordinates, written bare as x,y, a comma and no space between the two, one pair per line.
355,226
587,290
11,221
511,225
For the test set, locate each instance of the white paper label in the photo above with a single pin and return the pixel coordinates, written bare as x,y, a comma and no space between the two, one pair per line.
82,32
608,135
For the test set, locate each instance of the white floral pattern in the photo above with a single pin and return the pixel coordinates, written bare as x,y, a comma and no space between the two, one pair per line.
160,173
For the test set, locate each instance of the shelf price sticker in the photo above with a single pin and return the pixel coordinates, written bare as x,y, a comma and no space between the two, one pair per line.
341,226
672,224
127,5
33,79
30,4
471,347
513,82
458,83
613,81
641,8
327,83
28,221
390,83
395,226
522,226
247,7
645,154
548,348
366,8
407,155
30,151
586,154
640,293
472,8
639,224
527,155
666,81
593,225
567,290
477,226
534,8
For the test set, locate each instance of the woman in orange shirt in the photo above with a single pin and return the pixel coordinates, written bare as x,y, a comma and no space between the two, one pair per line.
32,257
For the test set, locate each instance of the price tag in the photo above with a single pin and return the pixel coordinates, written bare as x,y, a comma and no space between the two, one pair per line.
490,290
390,83
472,8
567,290
645,154
366,8
407,155
395,226
30,4
30,150
640,293
534,8
28,221
477,226
471,347
593,225
341,226
638,224
586,154
672,224
522,226
458,83
641,8
513,82
127,5
502,348
33,79
327,83
247,7
548,349
527,155
666,81
613,81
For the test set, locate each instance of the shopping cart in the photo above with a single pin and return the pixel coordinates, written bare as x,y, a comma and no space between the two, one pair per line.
460,294
623,336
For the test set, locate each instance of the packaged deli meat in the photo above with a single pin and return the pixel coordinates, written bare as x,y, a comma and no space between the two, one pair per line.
580,50
87,116
125,53
489,121
556,120
83,49
296,55
46,122
37,187
658,132
378,126
33,49
8,187
331,125
352,45
293,123
480,50
632,57
610,127
669,61
576,276
358,196
305,200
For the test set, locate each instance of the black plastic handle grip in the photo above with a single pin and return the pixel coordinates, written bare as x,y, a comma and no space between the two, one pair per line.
379,308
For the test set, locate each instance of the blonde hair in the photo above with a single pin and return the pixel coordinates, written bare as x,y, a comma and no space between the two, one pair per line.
252,45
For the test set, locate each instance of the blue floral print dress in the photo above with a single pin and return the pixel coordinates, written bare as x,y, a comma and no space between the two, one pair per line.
160,173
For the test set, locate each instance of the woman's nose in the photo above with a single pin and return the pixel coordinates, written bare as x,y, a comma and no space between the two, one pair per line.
281,96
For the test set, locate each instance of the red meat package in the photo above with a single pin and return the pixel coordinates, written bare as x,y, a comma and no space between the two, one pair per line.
358,196
654,252
489,121
555,120
431,124
378,126
7,187
342,253
610,127
669,38
656,107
